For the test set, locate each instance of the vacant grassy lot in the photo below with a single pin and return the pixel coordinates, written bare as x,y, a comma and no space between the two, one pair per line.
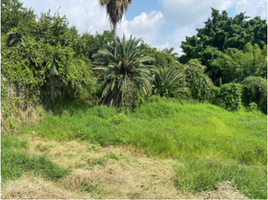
165,149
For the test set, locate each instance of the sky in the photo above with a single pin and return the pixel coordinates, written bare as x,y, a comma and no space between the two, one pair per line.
161,23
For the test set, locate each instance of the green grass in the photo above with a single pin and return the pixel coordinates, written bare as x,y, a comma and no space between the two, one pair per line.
196,176
15,162
167,128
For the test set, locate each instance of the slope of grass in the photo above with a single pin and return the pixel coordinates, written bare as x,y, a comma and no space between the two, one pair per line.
231,144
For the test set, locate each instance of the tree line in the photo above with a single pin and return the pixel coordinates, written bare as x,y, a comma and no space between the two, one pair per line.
44,58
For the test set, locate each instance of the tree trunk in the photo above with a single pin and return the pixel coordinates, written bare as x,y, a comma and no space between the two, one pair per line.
115,25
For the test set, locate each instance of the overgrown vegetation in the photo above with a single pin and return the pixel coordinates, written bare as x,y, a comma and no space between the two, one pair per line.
224,140
53,80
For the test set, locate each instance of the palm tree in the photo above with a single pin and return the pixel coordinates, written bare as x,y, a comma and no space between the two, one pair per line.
127,74
170,82
169,51
115,10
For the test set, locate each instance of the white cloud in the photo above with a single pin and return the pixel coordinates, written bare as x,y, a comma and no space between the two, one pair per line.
84,14
145,25
193,12
252,8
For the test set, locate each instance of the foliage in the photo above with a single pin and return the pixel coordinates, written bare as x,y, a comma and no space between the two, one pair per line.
162,58
169,51
200,84
169,82
13,15
255,90
222,32
89,44
39,63
237,65
126,75
229,96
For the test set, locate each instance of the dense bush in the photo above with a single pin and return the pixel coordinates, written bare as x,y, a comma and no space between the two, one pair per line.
229,96
236,65
200,84
255,90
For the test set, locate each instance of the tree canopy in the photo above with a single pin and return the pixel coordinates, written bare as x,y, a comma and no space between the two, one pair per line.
220,33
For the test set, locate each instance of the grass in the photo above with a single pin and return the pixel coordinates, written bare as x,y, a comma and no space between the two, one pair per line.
213,144
201,175
15,162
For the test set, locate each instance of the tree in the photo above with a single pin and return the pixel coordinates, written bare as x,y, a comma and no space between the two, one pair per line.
236,65
115,10
221,32
125,76
162,58
13,13
170,82
169,51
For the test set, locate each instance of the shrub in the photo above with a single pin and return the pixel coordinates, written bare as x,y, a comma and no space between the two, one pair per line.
255,90
229,96
201,85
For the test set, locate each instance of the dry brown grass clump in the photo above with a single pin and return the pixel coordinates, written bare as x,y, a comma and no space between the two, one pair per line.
34,188
225,190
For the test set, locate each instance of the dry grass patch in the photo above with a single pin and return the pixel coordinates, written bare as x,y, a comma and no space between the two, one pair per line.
131,175
118,172
34,188
225,190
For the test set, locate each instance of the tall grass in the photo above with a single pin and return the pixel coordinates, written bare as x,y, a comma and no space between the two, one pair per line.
167,128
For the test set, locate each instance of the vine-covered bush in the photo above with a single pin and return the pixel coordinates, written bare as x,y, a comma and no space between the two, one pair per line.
229,96
200,84
255,90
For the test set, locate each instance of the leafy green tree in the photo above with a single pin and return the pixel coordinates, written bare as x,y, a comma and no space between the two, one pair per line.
90,44
162,58
115,10
13,14
236,65
170,82
124,73
222,32
39,56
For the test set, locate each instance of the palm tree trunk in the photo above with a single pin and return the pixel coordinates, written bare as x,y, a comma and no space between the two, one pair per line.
115,25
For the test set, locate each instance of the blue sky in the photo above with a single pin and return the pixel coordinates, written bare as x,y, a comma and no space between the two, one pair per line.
161,23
